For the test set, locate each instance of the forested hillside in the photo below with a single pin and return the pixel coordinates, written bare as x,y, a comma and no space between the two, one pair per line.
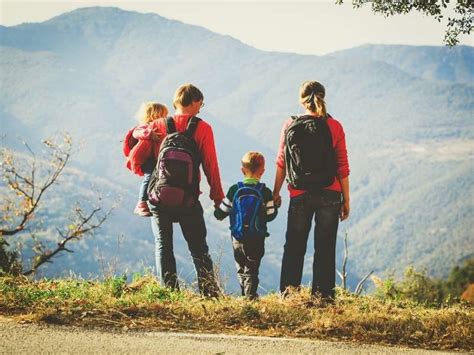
407,114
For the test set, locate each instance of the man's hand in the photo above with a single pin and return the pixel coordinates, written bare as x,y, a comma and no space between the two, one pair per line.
345,210
217,203
277,200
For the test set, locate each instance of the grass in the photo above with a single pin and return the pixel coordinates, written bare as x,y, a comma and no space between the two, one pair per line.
145,304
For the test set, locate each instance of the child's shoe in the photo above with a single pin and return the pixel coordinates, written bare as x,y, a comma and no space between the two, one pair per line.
142,209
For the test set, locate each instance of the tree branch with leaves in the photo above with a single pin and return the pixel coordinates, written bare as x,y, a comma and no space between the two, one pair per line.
23,182
26,180
461,22
83,225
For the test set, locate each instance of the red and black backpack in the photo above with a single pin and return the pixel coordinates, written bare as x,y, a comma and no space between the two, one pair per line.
175,180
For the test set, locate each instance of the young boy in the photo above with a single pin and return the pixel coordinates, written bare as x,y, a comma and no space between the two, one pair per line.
250,206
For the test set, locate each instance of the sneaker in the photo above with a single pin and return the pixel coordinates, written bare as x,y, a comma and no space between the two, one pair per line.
142,209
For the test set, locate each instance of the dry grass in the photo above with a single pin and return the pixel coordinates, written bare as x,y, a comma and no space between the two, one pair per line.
144,304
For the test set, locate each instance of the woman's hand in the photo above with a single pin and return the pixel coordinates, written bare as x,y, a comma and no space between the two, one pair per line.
345,210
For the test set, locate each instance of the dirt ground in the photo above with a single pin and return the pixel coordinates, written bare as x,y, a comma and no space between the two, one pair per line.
30,338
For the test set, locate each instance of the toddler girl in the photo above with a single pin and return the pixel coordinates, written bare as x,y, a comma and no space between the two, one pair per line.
141,159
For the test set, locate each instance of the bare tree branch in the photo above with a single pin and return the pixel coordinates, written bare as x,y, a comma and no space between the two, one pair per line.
25,143
82,227
343,274
358,289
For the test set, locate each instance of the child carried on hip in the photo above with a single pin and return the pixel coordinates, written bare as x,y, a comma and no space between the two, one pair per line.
141,153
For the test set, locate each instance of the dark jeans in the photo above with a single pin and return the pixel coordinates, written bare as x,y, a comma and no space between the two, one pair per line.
325,207
247,254
147,169
194,231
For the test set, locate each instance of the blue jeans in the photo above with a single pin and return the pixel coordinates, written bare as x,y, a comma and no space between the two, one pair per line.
194,231
147,169
325,207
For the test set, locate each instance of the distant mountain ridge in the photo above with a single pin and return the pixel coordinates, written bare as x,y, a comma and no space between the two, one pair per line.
407,114
428,62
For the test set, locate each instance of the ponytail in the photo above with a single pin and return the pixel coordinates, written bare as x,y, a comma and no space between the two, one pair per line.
312,97
321,107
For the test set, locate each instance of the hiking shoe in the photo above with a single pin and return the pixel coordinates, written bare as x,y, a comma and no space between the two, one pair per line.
142,209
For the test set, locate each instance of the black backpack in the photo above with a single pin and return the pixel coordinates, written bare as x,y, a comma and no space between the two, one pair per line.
174,182
310,157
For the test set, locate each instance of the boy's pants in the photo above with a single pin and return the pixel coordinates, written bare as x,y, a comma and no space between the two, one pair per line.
247,254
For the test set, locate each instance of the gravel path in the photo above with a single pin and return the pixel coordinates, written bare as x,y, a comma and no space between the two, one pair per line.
32,339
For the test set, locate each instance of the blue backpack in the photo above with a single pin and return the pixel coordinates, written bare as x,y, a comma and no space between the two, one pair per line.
248,204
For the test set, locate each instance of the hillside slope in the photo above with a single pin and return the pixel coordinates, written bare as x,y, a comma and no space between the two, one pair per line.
409,127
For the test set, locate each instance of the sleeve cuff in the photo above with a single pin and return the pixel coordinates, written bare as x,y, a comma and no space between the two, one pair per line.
343,174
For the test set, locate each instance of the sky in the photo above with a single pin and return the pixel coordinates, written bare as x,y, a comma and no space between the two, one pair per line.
306,27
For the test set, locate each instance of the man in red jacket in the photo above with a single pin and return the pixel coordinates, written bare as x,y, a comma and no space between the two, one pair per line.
188,101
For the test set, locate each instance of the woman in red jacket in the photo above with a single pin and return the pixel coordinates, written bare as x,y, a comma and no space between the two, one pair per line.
326,200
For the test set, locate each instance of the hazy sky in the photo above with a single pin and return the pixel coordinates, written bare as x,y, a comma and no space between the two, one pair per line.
309,27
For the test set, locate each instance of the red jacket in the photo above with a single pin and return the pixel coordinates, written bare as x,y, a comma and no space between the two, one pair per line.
140,152
339,144
204,138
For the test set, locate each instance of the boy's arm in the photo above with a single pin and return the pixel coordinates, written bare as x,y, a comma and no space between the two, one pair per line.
224,208
270,207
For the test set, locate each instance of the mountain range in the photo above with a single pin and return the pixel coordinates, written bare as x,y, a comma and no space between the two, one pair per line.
407,112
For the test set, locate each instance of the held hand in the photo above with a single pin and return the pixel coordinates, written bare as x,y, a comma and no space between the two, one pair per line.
217,203
345,210
155,137
277,200
216,215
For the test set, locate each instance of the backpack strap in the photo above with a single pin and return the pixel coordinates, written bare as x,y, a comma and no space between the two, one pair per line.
192,125
170,125
325,118
260,186
240,184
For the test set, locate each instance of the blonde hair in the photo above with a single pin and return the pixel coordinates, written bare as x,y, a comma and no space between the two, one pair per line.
186,94
150,111
253,161
312,97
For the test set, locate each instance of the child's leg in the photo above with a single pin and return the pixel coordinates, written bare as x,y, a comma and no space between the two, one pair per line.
147,169
240,260
254,249
142,207
143,194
